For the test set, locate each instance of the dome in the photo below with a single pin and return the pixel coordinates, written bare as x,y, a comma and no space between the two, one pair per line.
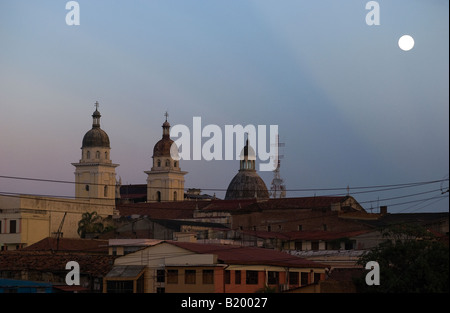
165,146
162,148
246,185
96,137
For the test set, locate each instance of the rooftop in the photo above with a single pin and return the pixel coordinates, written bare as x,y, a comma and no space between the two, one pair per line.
231,254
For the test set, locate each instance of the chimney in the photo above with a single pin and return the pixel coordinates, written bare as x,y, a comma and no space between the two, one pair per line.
383,209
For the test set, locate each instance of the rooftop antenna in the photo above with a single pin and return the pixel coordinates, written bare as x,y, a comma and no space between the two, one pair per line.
277,189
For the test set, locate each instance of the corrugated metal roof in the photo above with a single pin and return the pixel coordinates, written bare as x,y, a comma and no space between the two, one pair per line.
125,271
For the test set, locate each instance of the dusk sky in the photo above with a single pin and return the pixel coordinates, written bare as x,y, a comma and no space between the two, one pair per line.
352,108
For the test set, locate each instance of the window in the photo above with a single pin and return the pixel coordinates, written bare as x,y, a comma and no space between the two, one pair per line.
158,196
273,278
12,227
105,191
159,163
88,154
172,276
251,277
269,228
299,245
237,277
208,276
175,164
174,196
189,276
160,276
293,278
324,226
227,277
314,245
304,278
97,155
119,286
106,155
87,187
167,163
348,245
300,227
316,277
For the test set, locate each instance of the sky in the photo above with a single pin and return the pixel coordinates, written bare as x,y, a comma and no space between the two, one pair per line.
352,108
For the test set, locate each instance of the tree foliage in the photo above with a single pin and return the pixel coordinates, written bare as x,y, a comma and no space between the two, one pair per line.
411,260
90,222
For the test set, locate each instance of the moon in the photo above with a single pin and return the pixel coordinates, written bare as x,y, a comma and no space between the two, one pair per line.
406,42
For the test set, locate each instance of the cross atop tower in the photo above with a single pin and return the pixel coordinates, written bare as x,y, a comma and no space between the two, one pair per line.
96,105
166,115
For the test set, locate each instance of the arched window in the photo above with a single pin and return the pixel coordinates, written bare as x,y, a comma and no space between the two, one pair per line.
106,155
175,164
158,196
105,191
97,155
167,163
159,163
88,154
174,196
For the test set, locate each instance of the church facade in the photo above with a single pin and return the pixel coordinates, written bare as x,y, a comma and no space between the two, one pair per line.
26,219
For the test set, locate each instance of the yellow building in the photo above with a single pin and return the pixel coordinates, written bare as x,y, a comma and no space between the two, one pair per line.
165,181
26,219
183,267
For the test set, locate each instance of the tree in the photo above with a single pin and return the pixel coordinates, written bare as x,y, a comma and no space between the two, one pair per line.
90,223
410,261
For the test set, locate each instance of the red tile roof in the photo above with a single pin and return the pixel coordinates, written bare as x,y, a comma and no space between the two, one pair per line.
20,260
185,209
230,254
322,234
70,244
304,235
300,202
162,210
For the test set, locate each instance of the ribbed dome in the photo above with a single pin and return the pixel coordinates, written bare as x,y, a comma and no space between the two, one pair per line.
96,137
246,185
162,147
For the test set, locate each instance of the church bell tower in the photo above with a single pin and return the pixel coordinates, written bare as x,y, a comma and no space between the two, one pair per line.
95,174
165,181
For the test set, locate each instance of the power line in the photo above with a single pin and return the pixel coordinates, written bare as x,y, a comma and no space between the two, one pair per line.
389,186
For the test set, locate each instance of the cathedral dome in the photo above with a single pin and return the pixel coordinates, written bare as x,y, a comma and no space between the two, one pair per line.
247,183
162,148
96,137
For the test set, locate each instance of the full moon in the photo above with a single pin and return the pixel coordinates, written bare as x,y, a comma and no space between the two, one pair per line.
406,42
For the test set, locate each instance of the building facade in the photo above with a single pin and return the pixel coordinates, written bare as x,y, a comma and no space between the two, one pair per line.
183,267
26,219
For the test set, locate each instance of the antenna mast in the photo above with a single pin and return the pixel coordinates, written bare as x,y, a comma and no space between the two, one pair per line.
278,189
